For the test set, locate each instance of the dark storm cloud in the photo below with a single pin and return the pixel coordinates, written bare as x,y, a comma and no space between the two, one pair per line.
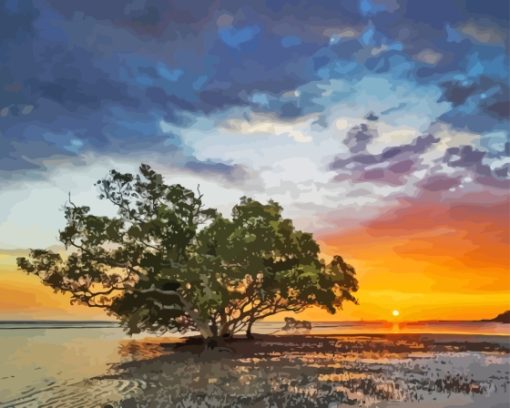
359,137
372,117
390,154
500,109
465,156
68,90
457,92
392,166
490,97
98,77
469,158
463,49
440,182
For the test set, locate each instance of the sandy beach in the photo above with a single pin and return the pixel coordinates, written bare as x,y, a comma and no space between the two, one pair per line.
383,370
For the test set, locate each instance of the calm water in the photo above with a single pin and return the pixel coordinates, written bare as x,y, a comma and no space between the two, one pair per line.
38,358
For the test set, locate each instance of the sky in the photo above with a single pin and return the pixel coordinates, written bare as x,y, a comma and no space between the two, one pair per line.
380,125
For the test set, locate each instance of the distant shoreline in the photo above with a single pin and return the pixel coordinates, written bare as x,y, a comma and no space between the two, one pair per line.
410,322
56,321
56,324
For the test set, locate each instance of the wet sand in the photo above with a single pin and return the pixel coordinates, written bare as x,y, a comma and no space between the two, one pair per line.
319,371
383,370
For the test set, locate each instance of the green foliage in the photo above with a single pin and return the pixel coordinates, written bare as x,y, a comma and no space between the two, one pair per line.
268,267
126,263
165,262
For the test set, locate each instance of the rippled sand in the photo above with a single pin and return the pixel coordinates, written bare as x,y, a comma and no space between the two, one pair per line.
296,371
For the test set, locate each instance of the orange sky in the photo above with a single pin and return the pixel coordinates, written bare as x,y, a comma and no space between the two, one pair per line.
428,260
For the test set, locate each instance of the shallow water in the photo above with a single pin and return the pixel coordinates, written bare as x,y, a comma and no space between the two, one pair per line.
49,364
37,359
431,327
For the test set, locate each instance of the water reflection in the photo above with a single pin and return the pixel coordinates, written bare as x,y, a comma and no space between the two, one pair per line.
321,372
67,367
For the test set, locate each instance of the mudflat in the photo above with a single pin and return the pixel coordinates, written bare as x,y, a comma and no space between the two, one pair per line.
383,370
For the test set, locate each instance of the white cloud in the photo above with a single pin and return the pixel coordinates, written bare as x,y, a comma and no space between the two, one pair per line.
267,125
389,135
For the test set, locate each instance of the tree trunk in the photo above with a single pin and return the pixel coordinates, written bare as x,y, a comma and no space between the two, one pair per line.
204,329
223,325
202,326
225,331
248,330
214,329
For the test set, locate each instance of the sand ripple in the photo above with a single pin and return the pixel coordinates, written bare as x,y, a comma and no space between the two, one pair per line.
86,394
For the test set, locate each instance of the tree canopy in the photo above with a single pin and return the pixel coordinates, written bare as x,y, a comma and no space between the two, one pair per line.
266,266
166,262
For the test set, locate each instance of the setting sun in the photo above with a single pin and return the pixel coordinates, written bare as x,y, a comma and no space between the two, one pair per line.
395,313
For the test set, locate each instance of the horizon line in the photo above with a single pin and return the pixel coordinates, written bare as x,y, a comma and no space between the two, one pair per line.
23,321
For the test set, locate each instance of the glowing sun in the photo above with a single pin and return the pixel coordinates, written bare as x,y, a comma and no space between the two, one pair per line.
395,313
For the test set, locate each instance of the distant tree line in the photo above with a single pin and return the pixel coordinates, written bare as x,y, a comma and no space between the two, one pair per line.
165,262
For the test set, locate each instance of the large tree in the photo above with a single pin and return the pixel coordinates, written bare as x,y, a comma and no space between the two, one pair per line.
165,262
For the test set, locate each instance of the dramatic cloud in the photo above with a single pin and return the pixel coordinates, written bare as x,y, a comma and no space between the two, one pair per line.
391,166
467,157
359,137
352,103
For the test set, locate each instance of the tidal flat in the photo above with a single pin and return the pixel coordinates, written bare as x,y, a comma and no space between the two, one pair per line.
300,370
308,371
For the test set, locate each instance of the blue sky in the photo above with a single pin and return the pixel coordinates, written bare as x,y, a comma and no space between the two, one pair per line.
340,110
